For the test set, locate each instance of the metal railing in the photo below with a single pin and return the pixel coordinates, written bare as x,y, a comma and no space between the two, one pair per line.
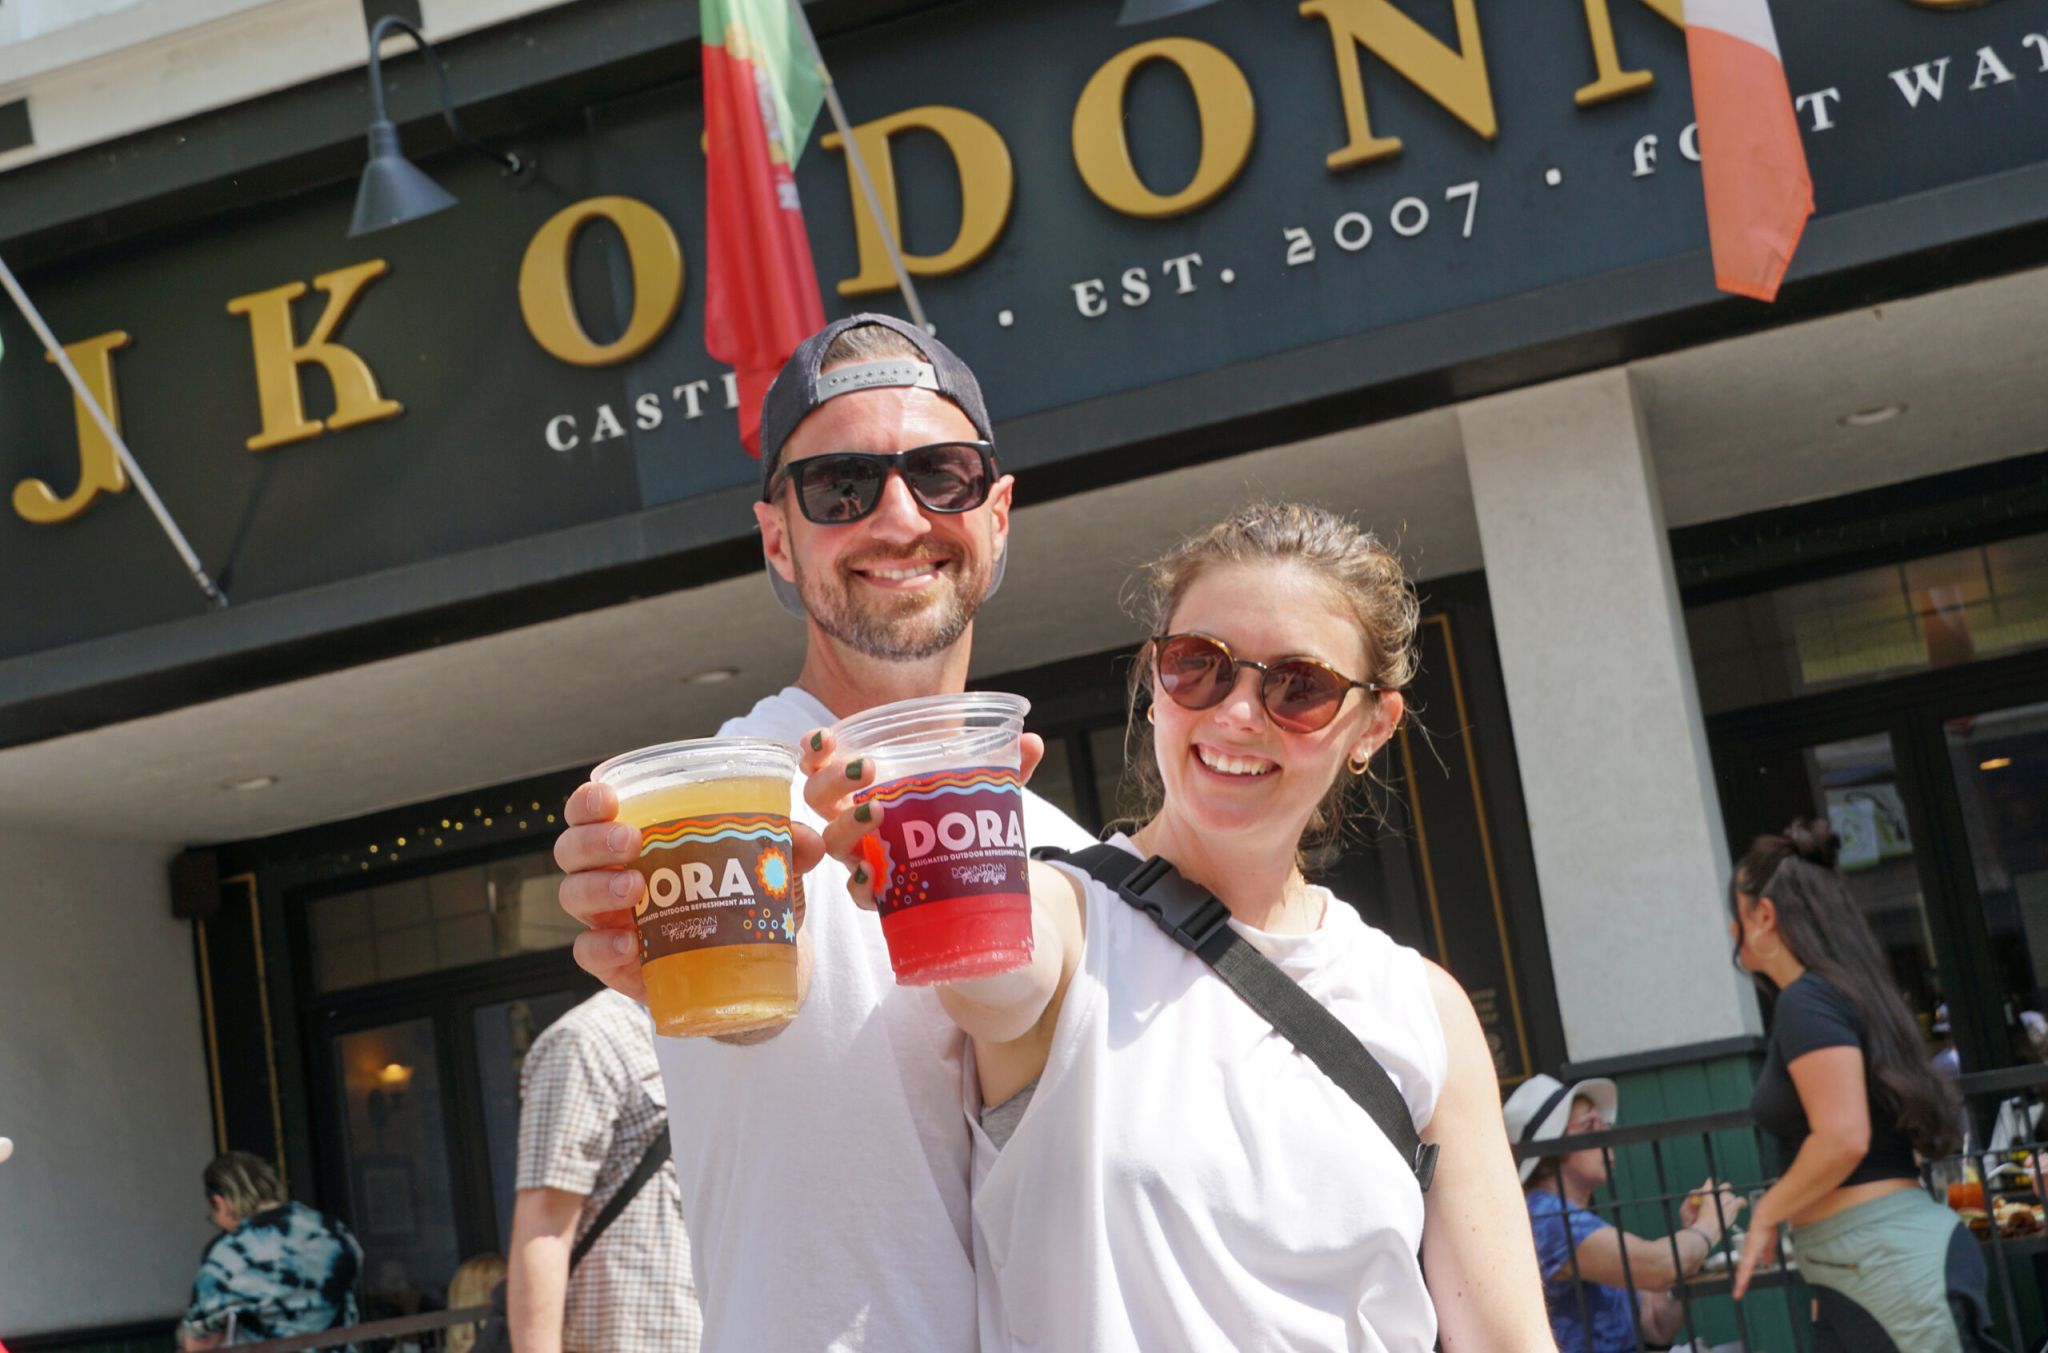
427,1333
1996,1184
1999,1184
1653,1169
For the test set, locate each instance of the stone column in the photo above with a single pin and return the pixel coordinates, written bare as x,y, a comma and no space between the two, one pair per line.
1630,850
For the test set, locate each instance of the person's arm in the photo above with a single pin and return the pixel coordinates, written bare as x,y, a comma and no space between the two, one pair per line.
206,1317
537,1270
1010,1016
1831,1090
1476,1253
1660,1316
1651,1264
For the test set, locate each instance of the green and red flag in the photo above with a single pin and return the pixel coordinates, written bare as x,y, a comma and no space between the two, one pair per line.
762,91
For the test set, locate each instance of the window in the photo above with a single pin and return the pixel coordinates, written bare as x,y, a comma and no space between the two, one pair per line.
439,921
1935,612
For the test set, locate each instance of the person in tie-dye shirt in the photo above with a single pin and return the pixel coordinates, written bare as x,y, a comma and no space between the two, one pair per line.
279,1268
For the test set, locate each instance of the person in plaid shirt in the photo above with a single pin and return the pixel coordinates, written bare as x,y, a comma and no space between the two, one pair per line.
591,1101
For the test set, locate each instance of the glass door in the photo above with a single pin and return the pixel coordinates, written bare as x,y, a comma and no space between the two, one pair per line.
503,1031
419,1121
1856,784
394,1129
1999,763
1940,798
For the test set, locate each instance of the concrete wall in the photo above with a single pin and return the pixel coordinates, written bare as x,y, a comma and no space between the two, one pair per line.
103,1087
1630,852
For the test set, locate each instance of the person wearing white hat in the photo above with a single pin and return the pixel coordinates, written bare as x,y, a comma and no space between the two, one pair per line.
1589,1264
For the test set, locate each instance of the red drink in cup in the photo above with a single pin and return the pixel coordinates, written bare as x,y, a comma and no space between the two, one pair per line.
949,858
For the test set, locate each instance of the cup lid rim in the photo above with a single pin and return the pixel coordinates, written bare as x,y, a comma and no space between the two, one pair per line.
657,754
918,707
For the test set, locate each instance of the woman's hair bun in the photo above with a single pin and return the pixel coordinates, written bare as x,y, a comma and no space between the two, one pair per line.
1814,841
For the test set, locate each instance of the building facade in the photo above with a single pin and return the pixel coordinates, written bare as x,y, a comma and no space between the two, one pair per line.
1691,565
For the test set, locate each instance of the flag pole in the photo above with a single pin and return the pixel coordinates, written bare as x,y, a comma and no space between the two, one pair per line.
860,169
106,425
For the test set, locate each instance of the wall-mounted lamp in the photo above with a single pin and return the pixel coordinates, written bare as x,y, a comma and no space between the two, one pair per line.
395,1078
393,190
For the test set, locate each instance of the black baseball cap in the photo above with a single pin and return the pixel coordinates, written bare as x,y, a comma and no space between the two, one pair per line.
800,388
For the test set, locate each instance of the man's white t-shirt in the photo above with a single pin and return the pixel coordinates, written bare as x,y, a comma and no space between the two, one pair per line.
825,1172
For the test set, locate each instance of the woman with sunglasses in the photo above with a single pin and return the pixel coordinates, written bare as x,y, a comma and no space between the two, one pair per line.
1155,1166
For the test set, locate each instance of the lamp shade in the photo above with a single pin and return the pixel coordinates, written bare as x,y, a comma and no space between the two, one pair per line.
393,190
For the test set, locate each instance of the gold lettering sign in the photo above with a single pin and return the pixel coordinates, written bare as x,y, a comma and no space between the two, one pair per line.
99,469
1456,79
1612,81
987,185
279,355
1223,104
653,255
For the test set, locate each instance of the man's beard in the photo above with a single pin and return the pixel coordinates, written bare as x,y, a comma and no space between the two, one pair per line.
895,628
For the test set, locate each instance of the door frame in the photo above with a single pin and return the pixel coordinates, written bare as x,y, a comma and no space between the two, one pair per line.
448,1000
1912,710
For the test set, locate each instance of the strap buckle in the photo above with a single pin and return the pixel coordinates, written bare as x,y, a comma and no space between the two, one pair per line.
1425,1164
1188,912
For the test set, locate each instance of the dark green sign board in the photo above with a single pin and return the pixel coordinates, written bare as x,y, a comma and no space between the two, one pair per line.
1293,180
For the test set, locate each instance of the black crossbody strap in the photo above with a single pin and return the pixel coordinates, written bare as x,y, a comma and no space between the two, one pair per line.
1196,920
650,1160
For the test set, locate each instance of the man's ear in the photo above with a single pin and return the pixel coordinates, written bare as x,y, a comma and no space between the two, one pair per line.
775,539
999,496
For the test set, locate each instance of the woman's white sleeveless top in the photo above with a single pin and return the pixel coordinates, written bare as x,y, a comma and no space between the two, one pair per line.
1184,1179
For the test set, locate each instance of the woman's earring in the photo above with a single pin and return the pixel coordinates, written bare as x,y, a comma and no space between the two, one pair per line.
1151,714
1358,765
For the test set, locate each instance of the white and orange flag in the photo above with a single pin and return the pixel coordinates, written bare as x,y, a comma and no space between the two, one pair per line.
1759,194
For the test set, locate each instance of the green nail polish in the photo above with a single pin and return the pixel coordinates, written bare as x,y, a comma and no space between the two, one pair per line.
863,813
853,769
818,740
860,875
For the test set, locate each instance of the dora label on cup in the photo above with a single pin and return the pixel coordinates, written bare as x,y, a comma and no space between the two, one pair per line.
950,834
716,881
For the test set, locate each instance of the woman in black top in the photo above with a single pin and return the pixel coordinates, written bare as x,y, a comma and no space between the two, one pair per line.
1847,1092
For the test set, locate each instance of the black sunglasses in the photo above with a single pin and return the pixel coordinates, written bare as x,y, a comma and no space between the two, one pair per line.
844,486
1301,695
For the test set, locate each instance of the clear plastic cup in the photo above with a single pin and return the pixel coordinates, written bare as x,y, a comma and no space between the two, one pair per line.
949,858
717,919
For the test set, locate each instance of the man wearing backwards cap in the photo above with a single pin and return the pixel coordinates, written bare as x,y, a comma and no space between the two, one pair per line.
824,1165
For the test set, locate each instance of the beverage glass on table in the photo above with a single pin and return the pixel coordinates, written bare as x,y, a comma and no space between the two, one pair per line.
948,859
717,920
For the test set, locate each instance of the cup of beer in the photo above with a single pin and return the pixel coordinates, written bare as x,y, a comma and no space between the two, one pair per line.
948,859
717,919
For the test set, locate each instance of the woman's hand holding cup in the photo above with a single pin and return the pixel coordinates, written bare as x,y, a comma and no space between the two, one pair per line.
830,788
